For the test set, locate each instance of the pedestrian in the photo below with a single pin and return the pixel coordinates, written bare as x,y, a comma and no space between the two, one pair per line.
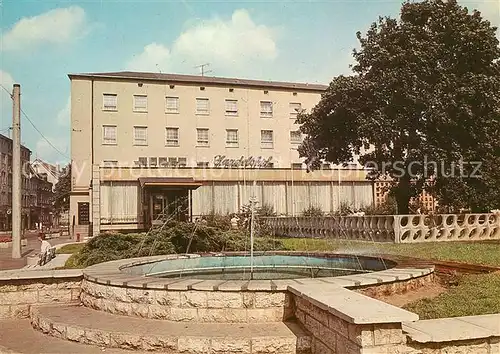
44,249
234,221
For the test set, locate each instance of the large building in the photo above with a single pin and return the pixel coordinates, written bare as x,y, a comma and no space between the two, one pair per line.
36,191
144,145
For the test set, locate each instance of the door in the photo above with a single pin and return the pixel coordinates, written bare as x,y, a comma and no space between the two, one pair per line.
159,205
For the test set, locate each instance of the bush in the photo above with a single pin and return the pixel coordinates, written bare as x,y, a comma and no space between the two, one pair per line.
217,220
313,211
175,237
345,209
388,207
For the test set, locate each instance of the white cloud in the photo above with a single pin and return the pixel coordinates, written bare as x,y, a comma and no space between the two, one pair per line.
6,80
56,26
228,41
153,57
235,42
5,101
63,117
490,9
46,152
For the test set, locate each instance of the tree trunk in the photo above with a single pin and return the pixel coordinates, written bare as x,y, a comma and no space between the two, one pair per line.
402,193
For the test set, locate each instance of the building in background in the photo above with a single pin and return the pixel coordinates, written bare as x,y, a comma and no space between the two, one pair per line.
43,168
6,185
143,144
36,191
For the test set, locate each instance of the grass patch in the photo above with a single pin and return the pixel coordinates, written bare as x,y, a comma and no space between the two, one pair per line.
474,295
70,249
482,253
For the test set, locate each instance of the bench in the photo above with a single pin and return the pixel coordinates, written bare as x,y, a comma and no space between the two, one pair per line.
48,256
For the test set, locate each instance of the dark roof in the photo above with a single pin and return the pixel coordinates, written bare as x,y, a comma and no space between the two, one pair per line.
194,79
10,140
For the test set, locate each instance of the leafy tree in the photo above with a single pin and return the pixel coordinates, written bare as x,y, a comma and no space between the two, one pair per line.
62,190
425,89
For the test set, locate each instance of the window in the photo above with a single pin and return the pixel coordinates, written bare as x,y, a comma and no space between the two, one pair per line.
231,137
109,134
110,163
202,137
266,139
295,108
202,106
172,104
163,161
295,137
231,107
182,162
172,161
266,109
296,166
140,103
202,164
172,136
153,161
143,161
326,166
109,102
140,136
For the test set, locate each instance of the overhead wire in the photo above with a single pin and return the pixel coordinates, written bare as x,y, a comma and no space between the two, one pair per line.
35,127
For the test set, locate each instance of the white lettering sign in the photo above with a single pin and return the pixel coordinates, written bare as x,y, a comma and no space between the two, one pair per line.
251,162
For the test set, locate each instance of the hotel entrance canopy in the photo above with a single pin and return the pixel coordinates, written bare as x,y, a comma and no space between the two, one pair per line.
188,183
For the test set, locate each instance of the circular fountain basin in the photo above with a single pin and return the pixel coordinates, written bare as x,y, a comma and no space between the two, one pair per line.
220,288
261,267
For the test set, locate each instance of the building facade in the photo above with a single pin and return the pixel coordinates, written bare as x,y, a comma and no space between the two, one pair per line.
49,171
36,191
146,145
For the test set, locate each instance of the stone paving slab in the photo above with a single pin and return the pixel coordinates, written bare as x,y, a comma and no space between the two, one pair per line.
21,274
208,285
89,326
450,329
19,337
491,322
351,306
82,316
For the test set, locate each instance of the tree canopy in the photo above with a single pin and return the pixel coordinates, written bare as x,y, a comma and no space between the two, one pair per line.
62,190
422,107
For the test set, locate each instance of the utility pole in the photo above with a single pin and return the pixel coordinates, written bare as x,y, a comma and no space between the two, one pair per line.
16,172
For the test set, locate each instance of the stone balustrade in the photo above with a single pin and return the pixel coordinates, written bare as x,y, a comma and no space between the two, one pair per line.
391,228
364,228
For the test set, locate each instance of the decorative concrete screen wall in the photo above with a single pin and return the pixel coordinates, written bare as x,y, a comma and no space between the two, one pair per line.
447,227
391,228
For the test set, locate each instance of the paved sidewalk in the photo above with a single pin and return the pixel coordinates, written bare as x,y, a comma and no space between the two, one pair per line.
19,337
6,261
57,262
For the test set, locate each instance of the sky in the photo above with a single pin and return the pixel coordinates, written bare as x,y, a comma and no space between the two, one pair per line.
41,42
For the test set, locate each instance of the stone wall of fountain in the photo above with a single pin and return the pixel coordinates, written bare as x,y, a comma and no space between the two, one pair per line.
391,228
